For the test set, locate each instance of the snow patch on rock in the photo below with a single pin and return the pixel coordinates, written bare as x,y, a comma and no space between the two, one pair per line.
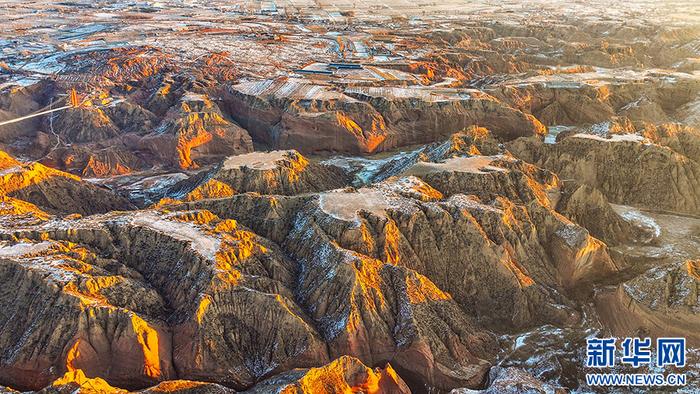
205,245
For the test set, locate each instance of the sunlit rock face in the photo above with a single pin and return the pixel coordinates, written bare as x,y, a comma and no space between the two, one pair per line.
91,324
195,133
275,172
294,113
127,301
17,213
345,374
54,190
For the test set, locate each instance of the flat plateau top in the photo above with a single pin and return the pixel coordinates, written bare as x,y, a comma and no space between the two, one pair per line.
256,160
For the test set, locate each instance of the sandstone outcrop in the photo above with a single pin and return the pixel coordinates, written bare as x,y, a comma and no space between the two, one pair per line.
19,101
662,302
513,230
53,190
77,382
87,124
95,160
598,97
295,114
194,133
16,213
275,172
588,207
127,301
470,141
93,327
513,381
624,168
682,139
346,374
209,322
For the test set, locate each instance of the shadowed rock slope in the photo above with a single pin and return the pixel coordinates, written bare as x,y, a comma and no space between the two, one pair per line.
623,167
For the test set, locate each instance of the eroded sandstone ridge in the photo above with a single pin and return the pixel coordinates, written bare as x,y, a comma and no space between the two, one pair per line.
275,172
338,272
53,190
365,120
269,263
625,168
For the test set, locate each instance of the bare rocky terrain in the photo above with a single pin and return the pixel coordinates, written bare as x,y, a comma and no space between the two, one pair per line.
306,197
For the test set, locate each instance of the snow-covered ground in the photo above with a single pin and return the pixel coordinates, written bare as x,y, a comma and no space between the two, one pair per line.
256,160
344,205
473,164
613,137
204,244
23,249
